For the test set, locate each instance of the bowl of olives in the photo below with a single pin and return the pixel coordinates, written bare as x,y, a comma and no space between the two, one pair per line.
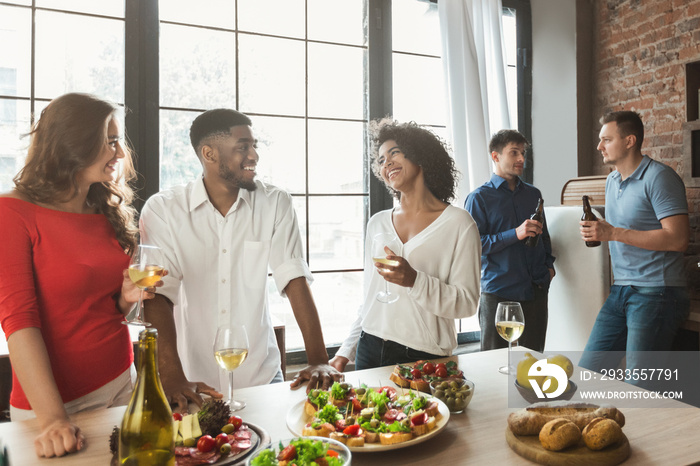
456,394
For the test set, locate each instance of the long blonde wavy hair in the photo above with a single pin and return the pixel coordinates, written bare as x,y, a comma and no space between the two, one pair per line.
68,137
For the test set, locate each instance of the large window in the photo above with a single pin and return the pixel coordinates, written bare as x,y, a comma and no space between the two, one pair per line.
310,73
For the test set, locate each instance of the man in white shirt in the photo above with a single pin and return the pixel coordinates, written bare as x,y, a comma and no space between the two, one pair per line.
219,234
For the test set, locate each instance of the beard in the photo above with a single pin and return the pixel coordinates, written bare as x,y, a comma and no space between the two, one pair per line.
236,180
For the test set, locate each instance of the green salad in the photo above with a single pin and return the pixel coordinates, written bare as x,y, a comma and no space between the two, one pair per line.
299,452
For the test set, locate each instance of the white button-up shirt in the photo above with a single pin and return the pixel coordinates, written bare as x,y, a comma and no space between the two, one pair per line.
218,268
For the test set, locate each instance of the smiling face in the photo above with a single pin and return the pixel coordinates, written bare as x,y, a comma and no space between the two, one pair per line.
237,158
510,162
397,171
104,168
612,146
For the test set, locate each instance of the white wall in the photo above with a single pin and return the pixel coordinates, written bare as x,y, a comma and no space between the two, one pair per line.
553,96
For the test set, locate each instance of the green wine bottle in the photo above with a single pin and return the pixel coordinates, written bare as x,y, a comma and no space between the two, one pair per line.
146,436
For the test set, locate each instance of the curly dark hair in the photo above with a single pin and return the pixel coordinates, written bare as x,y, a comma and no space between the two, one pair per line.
422,147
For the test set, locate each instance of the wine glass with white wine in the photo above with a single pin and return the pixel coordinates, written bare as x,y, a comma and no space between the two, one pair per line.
379,241
230,351
145,270
510,324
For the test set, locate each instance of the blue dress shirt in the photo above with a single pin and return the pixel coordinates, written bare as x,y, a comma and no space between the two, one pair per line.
509,269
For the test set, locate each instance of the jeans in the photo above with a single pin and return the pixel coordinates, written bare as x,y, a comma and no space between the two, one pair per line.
635,319
374,352
278,378
534,311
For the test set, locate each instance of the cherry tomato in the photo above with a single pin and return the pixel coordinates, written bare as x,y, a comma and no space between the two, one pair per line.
332,453
289,453
390,392
177,416
440,364
415,373
206,443
428,368
236,421
340,424
221,439
441,371
419,419
352,430
356,405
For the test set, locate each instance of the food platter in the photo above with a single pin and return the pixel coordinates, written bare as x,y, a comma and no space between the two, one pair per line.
297,419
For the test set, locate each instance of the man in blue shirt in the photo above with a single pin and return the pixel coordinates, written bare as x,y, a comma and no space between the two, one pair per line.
510,270
648,230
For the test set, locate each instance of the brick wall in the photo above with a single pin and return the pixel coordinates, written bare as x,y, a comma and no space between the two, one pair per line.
641,50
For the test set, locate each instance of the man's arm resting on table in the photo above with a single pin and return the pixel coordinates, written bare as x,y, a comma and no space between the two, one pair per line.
673,235
159,312
31,364
305,312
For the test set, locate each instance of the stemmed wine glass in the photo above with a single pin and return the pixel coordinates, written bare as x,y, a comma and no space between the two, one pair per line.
145,270
379,241
510,324
230,350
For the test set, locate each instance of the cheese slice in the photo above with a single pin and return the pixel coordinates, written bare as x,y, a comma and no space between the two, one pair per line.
187,427
176,430
196,430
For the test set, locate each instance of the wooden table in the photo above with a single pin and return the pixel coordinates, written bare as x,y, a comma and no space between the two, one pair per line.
657,436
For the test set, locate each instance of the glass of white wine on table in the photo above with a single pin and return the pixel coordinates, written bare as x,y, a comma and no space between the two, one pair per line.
145,270
379,241
510,324
230,351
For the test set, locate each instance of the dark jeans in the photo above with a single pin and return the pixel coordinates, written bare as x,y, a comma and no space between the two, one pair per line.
635,319
374,352
534,311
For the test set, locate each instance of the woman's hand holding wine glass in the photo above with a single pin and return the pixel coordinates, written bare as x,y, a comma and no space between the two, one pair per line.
230,351
510,324
381,241
145,271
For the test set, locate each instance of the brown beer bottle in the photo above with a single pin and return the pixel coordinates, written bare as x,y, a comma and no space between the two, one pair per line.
589,216
532,241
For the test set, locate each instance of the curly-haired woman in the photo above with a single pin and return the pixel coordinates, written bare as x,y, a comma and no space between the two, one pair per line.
67,231
437,276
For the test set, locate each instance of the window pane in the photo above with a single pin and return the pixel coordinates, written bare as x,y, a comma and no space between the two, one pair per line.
419,90
336,81
216,13
281,146
15,61
416,27
271,75
336,158
277,17
19,2
14,123
300,209
509,37
103,7
333,21
512,91
336,232
197,67
178,162
76,53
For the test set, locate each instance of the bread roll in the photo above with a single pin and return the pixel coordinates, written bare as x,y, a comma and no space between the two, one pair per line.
559,434
601,432
529,421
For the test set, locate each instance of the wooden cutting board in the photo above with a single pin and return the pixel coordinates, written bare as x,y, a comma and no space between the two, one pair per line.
529,446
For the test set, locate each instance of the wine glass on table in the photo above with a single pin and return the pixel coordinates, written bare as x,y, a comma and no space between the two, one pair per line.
145,270
379,241
230,350
510,324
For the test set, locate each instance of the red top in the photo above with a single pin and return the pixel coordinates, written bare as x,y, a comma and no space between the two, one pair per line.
60,272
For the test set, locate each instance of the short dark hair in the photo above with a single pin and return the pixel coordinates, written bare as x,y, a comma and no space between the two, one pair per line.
216,122
504,137
422,147
628,122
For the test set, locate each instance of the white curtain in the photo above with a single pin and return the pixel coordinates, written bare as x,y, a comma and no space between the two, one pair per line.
474,63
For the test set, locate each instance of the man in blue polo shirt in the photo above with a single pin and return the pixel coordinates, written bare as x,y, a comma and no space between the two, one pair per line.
648,230
510,270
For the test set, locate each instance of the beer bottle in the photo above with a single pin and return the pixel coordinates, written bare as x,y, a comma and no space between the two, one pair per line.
146,436
589,216
532,241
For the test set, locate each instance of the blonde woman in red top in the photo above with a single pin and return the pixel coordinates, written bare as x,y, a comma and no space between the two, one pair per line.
66,234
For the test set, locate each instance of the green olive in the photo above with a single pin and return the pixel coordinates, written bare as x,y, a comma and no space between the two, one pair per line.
406,422
371,403
360,391
374,423
315,392
189,442
345,386
450,403
444,385
459,404
228,428
454,384
440,394
225,449
349,421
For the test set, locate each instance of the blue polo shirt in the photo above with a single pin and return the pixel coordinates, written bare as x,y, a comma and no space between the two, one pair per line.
653,192
508,267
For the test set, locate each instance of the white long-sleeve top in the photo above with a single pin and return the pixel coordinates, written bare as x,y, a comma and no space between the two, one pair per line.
447,257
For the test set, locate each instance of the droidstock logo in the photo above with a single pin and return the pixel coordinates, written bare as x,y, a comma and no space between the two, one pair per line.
540,371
